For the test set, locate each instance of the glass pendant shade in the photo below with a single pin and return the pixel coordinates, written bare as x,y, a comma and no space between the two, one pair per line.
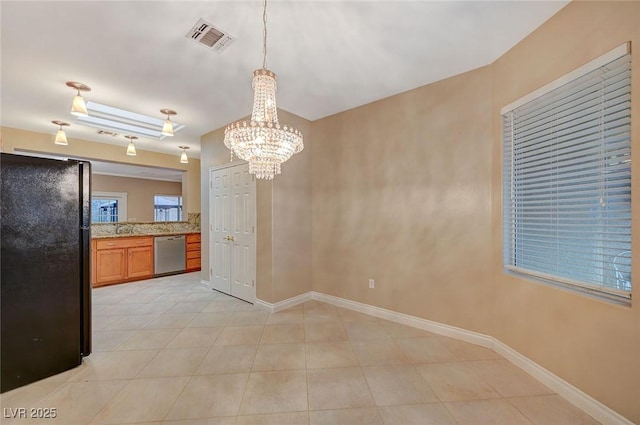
263,142
184,159
61,138
131,149
167,128
79,107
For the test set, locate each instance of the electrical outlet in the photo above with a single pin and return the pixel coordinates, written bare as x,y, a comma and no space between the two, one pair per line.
372,284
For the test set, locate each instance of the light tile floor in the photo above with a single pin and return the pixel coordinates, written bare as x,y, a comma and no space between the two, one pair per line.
169,351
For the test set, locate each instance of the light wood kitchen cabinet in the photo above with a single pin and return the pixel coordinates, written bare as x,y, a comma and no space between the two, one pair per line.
193,256
109,266
118,260
140,262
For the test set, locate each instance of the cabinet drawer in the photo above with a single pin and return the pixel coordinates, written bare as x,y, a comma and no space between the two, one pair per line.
193,237
193,246
193,263
112,243
193,254
123,243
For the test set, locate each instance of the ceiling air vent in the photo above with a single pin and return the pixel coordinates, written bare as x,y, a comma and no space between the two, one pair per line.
209,36
107,133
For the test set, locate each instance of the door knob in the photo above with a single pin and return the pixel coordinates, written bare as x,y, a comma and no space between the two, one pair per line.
231,238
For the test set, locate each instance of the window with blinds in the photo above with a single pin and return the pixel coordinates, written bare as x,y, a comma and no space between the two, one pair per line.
567,179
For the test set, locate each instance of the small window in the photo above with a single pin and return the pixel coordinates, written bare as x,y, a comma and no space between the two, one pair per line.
567,180
108,207
167,208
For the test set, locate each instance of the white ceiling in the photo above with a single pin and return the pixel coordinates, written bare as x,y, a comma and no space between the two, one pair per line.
329,56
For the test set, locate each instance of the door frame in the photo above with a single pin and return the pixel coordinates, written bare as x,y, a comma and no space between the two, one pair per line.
213,169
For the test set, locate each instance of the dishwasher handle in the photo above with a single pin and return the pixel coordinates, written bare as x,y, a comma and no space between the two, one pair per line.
169,238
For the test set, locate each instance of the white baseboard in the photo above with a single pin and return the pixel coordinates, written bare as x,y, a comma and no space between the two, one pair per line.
583,401
405,319
588,404
283,305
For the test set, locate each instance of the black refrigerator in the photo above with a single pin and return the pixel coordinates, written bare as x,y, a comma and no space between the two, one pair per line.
45,270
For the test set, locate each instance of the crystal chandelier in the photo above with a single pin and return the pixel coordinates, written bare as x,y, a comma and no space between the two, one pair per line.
263,141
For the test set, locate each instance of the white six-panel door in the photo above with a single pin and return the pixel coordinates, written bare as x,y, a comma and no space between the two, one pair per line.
220,220
232,234
243,212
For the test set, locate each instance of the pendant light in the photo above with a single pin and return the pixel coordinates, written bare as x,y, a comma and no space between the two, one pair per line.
184,159
78,106
61,136
131,149
263,142
167,128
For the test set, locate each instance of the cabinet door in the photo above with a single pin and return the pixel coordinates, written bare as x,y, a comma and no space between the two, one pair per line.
140,262
110,265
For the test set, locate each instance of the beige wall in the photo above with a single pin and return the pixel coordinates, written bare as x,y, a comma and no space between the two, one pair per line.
407,191
283,217
592,344
13,138
401,194
140,193
292,219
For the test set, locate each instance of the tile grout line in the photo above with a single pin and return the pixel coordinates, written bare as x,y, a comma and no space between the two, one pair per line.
366,381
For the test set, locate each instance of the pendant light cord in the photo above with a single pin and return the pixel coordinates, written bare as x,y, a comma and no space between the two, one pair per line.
264,36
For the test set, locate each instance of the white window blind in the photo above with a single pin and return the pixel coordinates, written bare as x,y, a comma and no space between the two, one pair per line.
567,181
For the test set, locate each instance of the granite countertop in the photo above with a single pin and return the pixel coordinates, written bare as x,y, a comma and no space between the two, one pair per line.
142,229
138,235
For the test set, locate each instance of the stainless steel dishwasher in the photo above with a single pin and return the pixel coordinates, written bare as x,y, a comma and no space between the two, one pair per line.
168,255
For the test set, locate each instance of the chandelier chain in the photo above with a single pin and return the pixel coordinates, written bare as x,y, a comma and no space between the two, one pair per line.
264,36
263,141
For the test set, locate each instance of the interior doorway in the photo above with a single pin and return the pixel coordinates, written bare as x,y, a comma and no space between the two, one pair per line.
232,231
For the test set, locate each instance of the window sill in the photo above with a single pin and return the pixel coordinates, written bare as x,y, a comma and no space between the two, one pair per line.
618,300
